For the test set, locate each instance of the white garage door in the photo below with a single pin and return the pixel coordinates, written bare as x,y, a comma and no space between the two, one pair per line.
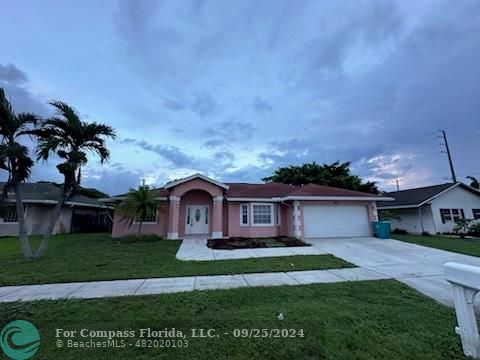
331,221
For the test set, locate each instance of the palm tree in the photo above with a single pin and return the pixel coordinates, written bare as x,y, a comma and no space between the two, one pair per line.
70,138
474,182
138,204
14,159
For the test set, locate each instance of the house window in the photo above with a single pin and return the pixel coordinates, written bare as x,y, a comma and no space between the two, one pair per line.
9,214
476,214
244,214
149,217
262,214
451,215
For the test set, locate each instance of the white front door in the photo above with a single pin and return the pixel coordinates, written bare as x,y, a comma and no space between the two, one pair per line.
197,219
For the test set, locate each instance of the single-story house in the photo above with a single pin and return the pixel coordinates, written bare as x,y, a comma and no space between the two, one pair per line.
198,205
433,209
39,199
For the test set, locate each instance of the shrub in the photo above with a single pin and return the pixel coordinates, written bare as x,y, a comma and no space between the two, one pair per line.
462,227
474,229
399,231
425,233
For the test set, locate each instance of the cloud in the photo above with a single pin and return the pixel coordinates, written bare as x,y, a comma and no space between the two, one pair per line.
261,105
11,74
15,83
204,105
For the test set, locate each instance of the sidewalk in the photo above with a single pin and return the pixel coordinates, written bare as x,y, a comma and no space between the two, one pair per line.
102,289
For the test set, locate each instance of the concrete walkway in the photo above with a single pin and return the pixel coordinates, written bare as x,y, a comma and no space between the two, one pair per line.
195,249
101,289
418,266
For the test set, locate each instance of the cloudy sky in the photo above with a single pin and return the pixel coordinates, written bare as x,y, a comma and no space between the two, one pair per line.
234,89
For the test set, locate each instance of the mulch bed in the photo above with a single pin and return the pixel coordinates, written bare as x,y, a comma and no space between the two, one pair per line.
254,243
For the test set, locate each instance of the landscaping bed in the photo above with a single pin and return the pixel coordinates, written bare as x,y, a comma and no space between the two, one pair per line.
254,243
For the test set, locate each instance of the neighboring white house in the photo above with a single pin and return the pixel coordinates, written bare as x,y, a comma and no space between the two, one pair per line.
80,212
433,209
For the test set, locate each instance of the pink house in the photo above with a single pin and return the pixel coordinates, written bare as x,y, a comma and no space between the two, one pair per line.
200,206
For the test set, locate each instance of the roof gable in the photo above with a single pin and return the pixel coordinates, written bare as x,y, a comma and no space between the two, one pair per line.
193,177
418,196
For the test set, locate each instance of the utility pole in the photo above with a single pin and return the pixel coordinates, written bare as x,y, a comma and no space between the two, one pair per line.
444,135
398,185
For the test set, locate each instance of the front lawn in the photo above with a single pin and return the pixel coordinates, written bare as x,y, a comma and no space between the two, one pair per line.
355,320
85,257
456,244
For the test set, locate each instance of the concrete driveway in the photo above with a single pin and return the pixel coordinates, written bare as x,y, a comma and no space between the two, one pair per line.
417,266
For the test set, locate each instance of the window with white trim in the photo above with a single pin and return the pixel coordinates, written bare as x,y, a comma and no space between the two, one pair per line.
262,214
244,215
9,214
476,214
148,217
451,215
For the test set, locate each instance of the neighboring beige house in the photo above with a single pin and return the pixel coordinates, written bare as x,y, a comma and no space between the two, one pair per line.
433,209
39,199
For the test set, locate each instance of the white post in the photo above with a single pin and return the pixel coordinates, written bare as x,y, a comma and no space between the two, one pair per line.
297,225
465,280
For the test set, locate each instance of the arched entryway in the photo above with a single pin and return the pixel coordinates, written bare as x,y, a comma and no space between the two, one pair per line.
195,213
195,209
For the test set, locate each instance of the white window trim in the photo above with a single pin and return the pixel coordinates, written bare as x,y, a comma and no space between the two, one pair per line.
25,208
135,222
452,220
272,215
241,215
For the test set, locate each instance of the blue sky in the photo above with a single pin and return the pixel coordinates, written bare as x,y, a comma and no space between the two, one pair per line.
234,89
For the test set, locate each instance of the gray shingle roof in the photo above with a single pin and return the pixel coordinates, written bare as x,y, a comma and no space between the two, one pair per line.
413,197
46,191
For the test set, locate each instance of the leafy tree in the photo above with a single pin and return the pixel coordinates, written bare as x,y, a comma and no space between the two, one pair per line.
474,182
336,174
138,204
92,192
71,139
15,159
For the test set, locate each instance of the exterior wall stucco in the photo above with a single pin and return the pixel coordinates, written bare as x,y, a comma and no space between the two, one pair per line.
457,198
236,230
120,228
197,184
37,217
409,220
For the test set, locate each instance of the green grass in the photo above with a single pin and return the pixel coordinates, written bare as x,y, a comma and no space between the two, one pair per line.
85,257
355,320
456,244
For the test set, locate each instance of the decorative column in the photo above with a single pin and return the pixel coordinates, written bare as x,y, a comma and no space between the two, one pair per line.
217,218
374,212
173,217
297,224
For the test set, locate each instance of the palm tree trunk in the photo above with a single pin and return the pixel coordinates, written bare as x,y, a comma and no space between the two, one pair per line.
53,220
139,231
22,231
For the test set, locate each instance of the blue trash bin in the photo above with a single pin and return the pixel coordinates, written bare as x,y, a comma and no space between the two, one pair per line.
381,229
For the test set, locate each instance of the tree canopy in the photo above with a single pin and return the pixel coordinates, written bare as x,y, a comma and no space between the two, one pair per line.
336,174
